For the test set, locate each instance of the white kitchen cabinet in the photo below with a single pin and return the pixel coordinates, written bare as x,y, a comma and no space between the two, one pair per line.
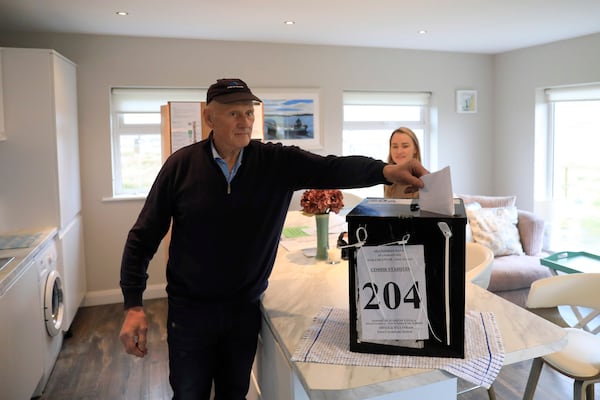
21,352
274,374
39,160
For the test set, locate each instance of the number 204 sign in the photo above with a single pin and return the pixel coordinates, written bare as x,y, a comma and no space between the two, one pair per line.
391,292
406,279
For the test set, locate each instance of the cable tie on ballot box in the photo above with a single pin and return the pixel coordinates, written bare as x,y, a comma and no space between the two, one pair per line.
362,235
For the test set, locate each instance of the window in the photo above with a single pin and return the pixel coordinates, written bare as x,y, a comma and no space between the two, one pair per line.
136,135
574,168
371,117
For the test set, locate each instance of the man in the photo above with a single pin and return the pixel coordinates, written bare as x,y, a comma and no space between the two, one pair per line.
211,191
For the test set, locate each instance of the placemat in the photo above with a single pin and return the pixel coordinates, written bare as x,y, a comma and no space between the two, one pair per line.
327,342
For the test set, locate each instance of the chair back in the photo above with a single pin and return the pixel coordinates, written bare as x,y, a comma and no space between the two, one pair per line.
478,264
582,289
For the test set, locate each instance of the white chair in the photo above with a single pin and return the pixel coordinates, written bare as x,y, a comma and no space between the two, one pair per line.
478,267
580,358
478,264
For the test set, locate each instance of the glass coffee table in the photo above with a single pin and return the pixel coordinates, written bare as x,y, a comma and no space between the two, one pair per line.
573,262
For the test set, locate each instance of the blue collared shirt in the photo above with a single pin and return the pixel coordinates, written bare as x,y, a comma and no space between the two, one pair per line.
223,164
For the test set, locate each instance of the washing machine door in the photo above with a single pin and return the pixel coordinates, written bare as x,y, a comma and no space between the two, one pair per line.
54,307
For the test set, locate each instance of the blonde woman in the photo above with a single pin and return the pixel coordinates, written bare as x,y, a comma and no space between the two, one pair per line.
404,145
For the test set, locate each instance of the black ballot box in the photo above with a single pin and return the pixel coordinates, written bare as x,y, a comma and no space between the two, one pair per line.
406,279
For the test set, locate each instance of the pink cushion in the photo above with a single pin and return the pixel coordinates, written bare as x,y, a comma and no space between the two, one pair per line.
516,272
531,232
488,201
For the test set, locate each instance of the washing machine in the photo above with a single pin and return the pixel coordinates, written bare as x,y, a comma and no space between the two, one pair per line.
53,308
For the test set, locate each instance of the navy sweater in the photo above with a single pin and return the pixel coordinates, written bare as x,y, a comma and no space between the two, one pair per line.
224,237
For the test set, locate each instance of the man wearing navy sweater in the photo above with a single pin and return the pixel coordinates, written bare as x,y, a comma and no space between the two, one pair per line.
214,283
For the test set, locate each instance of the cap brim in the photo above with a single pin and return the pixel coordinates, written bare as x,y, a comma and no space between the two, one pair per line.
235,98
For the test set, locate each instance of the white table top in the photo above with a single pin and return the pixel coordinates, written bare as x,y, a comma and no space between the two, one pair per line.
300,285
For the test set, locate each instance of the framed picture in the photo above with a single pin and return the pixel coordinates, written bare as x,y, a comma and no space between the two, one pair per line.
291,117
466,101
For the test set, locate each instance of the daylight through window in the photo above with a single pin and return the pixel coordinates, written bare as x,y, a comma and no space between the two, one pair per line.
575,169
136,135
371,117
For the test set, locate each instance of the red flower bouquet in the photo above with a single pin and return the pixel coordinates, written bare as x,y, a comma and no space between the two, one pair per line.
322,201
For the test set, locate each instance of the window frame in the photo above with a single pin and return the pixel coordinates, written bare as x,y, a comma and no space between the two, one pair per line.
552,199
400,98
139,100
119,130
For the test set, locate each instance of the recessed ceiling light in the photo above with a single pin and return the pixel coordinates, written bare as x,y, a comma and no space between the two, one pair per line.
289,22
422,31
122,13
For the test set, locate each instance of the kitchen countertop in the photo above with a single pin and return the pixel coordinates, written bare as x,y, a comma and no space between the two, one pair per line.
22,256
300,285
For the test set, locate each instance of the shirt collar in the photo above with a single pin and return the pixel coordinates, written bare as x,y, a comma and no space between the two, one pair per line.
222,162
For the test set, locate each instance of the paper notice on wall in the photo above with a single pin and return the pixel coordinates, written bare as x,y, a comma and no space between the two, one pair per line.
186,124
392,293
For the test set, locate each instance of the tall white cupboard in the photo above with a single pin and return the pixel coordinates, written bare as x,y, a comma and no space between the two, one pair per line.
39,158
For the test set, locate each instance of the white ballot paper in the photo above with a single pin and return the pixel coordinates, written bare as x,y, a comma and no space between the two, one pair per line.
392,293
437,195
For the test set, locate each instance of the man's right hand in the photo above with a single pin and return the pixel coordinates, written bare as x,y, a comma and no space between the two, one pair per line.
134,330
406,174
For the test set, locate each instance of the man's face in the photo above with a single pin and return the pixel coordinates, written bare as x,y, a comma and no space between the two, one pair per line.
231,123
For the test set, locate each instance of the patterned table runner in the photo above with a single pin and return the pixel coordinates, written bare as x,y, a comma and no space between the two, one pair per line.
327,342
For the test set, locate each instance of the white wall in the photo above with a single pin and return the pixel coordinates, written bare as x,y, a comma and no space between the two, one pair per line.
463,141
517,76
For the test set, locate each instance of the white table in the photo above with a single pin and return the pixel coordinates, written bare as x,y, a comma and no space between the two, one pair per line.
300,285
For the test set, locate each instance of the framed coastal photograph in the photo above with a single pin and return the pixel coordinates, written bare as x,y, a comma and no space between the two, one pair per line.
291,117
466,101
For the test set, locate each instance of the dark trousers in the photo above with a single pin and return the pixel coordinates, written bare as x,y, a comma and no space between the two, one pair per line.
213,342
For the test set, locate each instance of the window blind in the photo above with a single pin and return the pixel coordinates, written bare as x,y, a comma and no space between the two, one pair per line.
574,93
150,99
387,98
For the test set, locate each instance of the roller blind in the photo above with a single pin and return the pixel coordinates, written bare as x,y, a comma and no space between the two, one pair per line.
574,93
150,99
387,98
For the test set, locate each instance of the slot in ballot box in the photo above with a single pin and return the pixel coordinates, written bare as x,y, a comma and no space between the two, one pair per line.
406,279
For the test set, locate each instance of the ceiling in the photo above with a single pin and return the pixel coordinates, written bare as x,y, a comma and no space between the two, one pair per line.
474,26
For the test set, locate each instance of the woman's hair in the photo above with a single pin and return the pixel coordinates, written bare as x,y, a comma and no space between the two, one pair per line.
412,137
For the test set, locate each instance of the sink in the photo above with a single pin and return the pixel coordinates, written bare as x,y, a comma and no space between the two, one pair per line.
4,261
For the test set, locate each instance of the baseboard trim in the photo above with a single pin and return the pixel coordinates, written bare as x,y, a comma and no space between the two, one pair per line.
112,296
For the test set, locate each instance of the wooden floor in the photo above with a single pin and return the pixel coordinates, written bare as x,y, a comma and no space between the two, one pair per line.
92,364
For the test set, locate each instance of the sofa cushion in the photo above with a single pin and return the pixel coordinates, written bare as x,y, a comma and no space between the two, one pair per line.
488,201
468,231
531,231
482,201
496,228
516,272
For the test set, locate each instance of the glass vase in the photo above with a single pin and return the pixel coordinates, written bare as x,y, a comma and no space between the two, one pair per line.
322,235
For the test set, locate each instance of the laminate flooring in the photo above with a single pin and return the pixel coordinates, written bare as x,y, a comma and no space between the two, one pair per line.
93,366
